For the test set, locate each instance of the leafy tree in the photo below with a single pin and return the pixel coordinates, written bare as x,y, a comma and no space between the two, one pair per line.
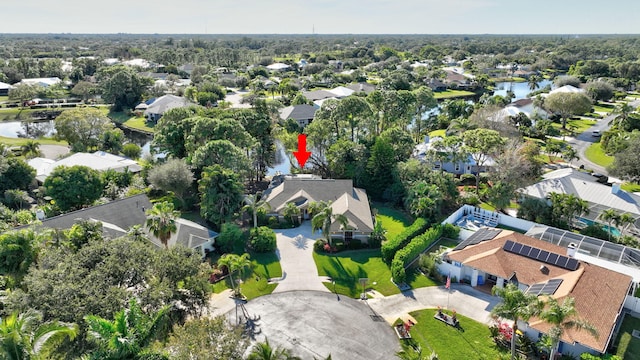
354,110
223,153
102,275
609,215
230,238
625,163
73,187
325,217
423,200
515,305
564,207
220,194
292,212
82,128
122,86
131,150
535,210
83,232
533,82
567,104
84,89
111,141
481,144
15,174
15,198
129,333
205,339
31,149
563,317
400,140
23,92
174,176
172,130
18,249
262,239
264,351
600,90
380,168
235,263
561,81
253,204
347,160
161,221
23,336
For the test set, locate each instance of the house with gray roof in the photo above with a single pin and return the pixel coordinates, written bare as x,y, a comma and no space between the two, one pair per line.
4,88
118,216
155,110
303,114
98,160
345,199
586,187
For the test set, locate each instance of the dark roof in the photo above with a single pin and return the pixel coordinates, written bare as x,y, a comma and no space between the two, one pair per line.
521,102
298,112
166,102
123,213
318,94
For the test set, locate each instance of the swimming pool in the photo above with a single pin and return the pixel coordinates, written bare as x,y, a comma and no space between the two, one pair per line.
614,231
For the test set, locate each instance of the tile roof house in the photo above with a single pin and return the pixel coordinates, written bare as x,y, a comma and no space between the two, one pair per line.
162,104
303,114
98,160
585,186
496,257
345,199
118,216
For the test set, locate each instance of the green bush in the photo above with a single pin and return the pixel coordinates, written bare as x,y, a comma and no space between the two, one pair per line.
412,250
450,231
273,222
262,239
318,246
391,246
231,236
587,356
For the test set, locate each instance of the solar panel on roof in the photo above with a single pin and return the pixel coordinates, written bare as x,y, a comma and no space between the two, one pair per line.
508,245
535,289
479,236
572,264
551,286
552,259
534,253
543,256
516,248
562,261
526,250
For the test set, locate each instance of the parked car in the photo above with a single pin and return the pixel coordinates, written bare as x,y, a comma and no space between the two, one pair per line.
596,133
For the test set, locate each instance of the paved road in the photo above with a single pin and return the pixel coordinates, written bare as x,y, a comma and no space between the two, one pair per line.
315,324
295,251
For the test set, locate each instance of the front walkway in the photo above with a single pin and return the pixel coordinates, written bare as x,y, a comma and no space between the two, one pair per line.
295,251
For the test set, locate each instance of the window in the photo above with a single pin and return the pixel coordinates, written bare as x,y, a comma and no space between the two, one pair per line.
436,166
457,167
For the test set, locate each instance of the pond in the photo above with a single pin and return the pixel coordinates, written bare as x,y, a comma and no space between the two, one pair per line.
520,89
282,164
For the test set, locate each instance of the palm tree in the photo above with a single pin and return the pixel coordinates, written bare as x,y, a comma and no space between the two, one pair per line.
515,306
563,317
31,149
291,211
130,332
264,351
623,111
625,220
609,215
253,204
324,218
161,221
23,337
235,263
533,82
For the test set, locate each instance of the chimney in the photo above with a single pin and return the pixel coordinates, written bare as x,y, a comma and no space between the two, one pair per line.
571,250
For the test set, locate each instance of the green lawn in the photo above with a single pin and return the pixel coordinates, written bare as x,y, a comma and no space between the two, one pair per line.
138,123
602,107
118,117
630,187
22,141
392,220
4,98
348,266
263,267
577,125
472,341
595,154
628,346
452,94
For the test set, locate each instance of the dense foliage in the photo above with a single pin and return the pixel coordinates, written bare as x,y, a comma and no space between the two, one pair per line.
391,246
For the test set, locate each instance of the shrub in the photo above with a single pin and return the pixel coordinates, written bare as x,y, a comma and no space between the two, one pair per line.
418,245
391,246
131,150
230,236
273,222
397,271
450,231
262,239
318,246
355,244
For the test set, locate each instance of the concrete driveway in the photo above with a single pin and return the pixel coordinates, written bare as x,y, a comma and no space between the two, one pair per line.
295,251
54,152
315,324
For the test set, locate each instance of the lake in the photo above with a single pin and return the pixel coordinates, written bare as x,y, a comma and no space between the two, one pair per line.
520,89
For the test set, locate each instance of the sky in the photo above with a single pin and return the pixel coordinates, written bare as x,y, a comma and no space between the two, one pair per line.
321,16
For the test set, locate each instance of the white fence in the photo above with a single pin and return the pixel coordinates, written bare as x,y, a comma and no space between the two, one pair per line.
632,303
503,219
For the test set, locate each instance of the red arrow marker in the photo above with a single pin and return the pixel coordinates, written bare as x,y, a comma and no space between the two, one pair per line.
302,154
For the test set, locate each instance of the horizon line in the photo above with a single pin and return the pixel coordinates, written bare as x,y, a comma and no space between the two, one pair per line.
318,34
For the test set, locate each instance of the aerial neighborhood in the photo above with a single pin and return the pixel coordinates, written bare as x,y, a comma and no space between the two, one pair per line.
319,196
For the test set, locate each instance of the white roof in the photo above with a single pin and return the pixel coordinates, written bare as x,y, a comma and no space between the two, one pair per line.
582,185
5,85
138,62
111,61
278,66
98,160
566,89
41,81
342,91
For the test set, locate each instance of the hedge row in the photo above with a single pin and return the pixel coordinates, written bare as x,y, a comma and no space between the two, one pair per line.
416,247
390,247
